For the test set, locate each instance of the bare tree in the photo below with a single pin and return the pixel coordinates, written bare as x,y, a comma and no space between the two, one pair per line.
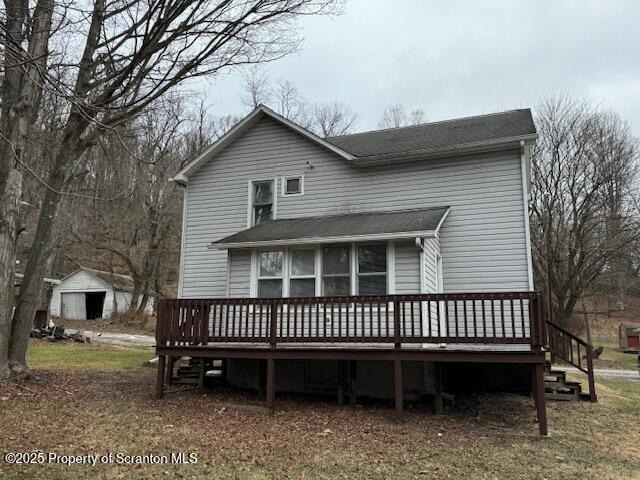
324,119
138,228
395,116
332,119
131,54
579,231
25,37
256,88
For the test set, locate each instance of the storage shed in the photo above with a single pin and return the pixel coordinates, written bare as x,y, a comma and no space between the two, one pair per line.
41,318
89,294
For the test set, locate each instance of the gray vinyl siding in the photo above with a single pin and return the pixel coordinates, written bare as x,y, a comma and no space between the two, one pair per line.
239,273
482,241
407,271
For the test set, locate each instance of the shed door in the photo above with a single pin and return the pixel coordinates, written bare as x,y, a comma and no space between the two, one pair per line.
73,306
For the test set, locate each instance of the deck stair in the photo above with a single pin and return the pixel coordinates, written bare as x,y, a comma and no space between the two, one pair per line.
557,387
570,349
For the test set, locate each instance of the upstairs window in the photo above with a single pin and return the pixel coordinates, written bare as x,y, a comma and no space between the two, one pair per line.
372,269
262,198
293,185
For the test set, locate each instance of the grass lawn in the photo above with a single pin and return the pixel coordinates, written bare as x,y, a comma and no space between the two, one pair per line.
612,357
99,400
73,356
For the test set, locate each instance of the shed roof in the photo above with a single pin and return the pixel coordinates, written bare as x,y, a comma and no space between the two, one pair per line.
439,135
333,228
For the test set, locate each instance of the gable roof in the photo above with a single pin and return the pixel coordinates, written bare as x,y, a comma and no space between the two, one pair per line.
446,136
240,128
335,228
121,283
459,136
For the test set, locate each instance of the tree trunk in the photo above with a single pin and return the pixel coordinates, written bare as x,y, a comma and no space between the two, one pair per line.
9,215
40,255
143,303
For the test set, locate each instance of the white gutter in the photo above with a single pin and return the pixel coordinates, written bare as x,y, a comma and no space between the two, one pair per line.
316,240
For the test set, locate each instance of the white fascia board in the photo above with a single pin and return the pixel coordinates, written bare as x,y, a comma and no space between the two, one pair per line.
182,177
316,240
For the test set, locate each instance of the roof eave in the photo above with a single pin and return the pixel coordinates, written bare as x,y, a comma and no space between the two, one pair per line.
324,240
433,153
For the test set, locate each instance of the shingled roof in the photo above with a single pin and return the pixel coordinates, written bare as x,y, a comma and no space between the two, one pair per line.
332,228
446,134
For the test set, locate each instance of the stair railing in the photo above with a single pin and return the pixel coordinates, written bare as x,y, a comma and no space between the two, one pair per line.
571,349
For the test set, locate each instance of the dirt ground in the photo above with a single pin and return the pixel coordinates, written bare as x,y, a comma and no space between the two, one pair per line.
82,407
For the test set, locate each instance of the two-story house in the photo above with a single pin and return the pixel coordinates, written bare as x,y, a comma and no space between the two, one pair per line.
347,259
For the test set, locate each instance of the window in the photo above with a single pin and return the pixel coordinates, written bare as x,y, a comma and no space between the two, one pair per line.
302,279
270,274
336,270
293,185
262,199
372,269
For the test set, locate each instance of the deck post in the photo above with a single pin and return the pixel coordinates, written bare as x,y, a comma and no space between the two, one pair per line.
592,384
439,404
170,362
397,375
396,324
271,384
160,377
273,324
538,395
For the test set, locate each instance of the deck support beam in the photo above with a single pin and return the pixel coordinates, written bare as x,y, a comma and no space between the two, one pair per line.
160,377
271,383
397,375
538,395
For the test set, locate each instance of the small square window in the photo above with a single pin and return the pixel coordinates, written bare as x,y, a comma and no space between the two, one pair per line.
293,185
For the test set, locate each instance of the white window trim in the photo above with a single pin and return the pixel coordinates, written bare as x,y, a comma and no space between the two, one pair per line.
250,183
284,185
291,276
286,271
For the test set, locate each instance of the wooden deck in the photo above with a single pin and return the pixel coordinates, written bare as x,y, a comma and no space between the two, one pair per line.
507,328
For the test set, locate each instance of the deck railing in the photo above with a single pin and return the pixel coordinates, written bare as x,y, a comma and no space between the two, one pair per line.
486,318
573,350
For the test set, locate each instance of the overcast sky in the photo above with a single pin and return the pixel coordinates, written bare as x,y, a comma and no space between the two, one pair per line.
458,58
